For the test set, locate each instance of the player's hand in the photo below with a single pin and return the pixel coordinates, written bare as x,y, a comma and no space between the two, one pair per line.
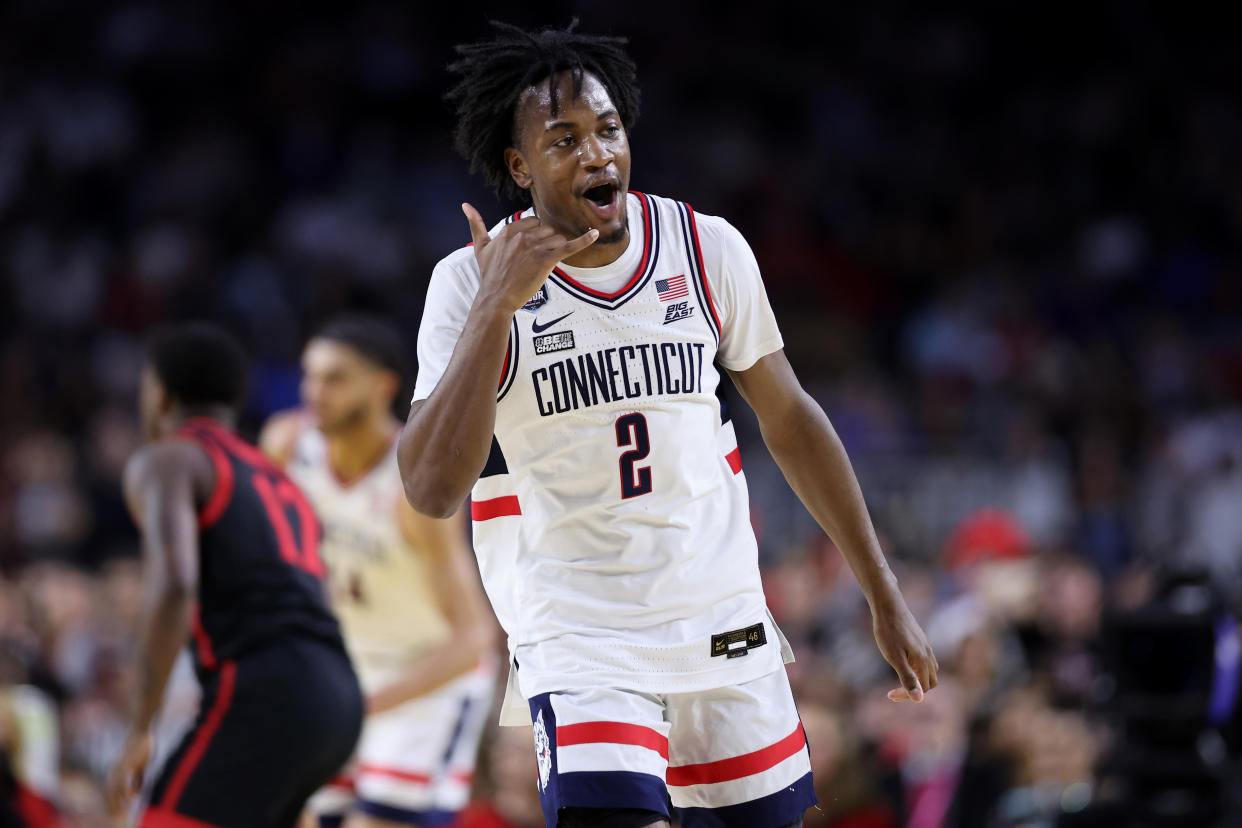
125,780
384,700
904,646
515,264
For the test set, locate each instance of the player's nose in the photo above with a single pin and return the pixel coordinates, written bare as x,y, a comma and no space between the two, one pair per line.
594,153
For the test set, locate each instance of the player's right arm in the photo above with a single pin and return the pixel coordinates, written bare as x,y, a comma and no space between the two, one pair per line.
455,586
162,483
447,436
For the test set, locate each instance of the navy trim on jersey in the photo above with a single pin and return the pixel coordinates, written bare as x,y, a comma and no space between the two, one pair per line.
725,416
698,256
511,361
651,254
700,273
495,461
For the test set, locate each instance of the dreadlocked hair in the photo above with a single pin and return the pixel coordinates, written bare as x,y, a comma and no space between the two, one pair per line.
494,74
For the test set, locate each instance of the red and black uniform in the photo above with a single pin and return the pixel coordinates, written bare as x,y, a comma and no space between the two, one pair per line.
281,708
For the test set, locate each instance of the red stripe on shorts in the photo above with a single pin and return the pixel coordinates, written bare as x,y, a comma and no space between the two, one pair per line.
747,764
494,508
224,697
616,733
343,782
735,460
395,773
156,818
464,777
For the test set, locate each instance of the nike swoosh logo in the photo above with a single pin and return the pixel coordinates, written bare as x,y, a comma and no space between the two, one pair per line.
537,328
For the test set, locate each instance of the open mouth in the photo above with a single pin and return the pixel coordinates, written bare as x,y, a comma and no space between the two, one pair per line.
603,201
601,194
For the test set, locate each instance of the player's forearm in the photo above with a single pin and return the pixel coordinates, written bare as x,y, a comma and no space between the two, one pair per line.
446,440
814,462
456,656
163,629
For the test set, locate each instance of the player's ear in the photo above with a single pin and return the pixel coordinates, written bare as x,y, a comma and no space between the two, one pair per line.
518,168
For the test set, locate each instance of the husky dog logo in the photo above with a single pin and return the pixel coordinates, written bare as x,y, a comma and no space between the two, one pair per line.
537,301
543,752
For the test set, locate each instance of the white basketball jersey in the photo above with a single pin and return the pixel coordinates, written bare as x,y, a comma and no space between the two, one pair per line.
612,522
380,587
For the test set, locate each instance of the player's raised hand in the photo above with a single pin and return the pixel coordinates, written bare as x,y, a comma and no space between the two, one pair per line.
515,264
904,646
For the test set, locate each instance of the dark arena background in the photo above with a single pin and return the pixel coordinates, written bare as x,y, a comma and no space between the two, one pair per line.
1004,244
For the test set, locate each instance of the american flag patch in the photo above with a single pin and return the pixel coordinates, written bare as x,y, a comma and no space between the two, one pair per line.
669,289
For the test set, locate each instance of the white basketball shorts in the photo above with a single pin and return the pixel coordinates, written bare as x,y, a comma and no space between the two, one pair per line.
415,763
731,756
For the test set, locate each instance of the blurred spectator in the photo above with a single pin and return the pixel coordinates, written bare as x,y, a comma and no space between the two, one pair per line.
849,796
507,793
931,773
1052,754
22,801
81,801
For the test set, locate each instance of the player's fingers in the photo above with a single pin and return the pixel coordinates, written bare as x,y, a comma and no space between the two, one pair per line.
922,669
530,224
478,230
553,242
542,235
910,681
898,694
572,246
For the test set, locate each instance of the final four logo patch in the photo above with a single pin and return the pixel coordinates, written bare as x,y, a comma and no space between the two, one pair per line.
537,301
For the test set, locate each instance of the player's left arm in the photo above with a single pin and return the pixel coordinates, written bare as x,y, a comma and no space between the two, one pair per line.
459,595
806,447
160,483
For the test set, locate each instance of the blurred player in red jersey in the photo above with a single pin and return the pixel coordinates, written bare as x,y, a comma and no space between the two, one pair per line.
231,566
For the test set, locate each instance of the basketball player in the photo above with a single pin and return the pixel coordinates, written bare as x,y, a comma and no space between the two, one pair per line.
231,565
569,366
404,586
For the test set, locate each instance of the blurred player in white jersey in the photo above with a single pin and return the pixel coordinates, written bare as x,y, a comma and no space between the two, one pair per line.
569,367
414,619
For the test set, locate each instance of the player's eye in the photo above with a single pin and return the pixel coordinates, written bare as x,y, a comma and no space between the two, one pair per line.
567,141
612,130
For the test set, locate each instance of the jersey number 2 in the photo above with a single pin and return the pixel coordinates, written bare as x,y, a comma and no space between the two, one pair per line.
277,498
632,431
